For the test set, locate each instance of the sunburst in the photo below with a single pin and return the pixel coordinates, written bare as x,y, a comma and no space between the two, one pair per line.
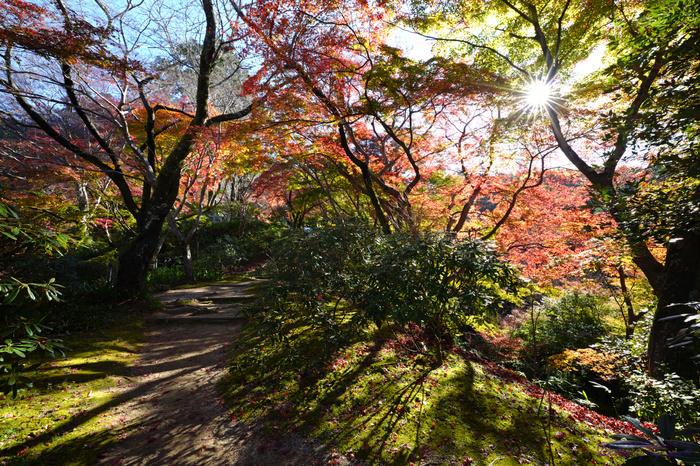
538,96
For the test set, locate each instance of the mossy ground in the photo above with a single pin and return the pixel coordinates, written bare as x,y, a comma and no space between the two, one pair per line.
68,416
377,401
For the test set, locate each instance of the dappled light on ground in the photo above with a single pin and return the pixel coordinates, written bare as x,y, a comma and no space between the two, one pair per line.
380,400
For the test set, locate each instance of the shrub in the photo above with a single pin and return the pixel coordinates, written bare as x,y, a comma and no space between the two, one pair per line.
650,398
227,252
312,271
573,322
663,448
20,336
433,282
594,375
226,246
222,248
585,359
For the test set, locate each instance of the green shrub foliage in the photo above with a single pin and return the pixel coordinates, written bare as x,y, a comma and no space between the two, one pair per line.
650,398
572,322
433,282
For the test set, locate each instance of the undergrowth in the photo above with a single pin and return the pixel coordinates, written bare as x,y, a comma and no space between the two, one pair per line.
377,401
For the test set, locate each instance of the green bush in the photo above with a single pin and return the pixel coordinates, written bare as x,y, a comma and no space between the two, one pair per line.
311,272
20,336
432,283
572,322
222,248
651,398
227,252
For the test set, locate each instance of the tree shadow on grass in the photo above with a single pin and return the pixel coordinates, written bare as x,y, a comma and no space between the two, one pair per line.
371,423
84,449
393,427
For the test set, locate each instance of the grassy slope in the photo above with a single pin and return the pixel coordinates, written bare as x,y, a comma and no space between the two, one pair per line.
69,415
377,402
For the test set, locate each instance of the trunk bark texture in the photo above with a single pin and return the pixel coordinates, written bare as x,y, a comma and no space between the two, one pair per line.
188,264
680,286
135,260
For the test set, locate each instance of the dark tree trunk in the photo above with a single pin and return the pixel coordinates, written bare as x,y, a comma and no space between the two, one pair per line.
135,260
631,318
681,285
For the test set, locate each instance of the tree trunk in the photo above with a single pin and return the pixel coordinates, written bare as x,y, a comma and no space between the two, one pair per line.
187,263
631,318
681,285
135,260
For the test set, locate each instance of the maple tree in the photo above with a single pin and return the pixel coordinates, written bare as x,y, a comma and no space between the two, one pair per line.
539,44
58,61
393,127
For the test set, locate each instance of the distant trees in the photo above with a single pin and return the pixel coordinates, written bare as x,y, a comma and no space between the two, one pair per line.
58,62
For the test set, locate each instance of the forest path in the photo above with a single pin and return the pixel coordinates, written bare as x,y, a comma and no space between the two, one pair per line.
173,406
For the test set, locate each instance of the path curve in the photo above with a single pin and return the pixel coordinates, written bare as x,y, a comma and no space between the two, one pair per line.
175,412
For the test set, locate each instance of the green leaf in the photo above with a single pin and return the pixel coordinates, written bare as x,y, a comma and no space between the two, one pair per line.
625,444
682,445
13,238
629,437
666,425
11,297
638,425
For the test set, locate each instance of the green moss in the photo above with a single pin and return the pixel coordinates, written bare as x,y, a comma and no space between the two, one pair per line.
67,418
377,401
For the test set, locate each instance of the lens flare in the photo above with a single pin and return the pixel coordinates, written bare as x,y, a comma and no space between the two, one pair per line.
535,97
539,95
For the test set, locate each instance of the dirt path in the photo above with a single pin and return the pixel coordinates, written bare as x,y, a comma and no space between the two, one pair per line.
174,407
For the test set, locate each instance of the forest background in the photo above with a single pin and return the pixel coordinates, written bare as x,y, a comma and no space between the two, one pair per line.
152,142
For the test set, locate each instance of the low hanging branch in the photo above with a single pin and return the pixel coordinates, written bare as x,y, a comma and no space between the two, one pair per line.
312,86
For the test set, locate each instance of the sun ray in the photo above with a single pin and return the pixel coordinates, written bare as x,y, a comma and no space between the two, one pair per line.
536,97
538,94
